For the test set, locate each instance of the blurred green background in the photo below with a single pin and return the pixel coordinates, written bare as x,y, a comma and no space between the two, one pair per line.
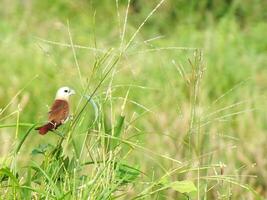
35,52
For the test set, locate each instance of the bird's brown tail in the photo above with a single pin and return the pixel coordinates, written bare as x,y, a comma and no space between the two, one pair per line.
45,128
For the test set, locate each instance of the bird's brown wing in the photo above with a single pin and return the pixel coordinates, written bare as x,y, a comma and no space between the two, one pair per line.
59,111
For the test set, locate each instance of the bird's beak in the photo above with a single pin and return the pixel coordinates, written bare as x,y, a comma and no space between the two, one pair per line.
72,92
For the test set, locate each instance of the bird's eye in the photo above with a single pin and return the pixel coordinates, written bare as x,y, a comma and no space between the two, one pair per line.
65,90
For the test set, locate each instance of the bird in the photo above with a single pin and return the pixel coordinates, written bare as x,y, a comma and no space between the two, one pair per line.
59,111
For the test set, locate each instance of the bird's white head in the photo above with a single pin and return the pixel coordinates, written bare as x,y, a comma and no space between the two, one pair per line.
64,93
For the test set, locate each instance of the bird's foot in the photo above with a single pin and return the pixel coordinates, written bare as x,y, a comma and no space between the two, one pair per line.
71,117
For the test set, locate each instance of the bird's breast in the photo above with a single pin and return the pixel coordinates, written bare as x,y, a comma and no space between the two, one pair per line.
59,111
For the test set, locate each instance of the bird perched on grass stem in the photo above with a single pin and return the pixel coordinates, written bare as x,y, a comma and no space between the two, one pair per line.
59,112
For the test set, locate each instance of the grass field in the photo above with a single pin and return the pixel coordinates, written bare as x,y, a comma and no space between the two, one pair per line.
170,104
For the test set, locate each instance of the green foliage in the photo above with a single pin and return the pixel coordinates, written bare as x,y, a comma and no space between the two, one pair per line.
170,99
182,186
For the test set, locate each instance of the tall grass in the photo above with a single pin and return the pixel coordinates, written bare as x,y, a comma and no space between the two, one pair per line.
156,116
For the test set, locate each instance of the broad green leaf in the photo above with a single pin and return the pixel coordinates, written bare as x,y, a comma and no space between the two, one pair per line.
183,186
42,149
127,174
